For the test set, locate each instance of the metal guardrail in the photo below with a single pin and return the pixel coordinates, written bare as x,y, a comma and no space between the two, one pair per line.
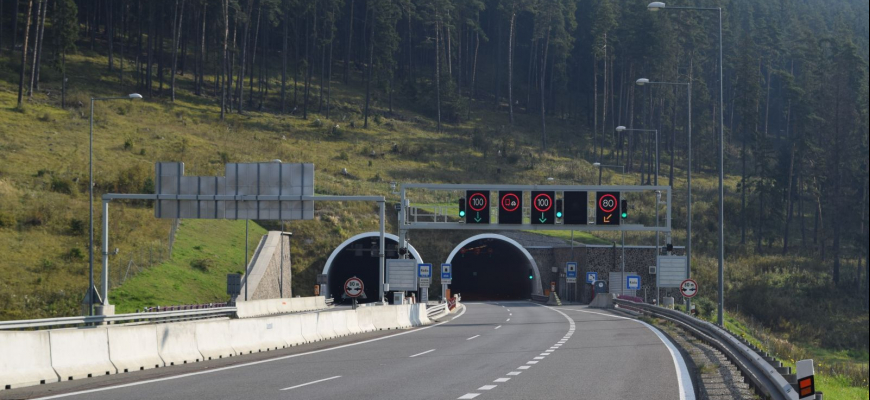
762,376
436,310
330,301
151,317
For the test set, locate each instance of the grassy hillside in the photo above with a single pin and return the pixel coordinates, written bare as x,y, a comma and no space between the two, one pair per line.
204,253
43,198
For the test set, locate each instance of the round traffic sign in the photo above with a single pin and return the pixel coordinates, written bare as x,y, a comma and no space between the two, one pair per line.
543,202
608,203
689,288
510,202
478,202
354,287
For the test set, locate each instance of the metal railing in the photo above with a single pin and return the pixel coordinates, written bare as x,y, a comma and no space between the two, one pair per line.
540,299
436,311
762,375
150,317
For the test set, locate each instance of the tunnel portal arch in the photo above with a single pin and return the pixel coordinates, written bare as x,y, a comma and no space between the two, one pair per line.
334,264
526,257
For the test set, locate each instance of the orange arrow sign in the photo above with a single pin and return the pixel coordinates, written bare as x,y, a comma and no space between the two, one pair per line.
607,219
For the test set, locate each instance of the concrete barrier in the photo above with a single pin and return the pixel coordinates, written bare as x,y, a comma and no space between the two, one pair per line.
80,353
385,317
353,322
422,315
176,343
339,322
290,327
285,306
602,300
213,340
308,323
134,348
319,303
403,315
325,327
364,317
310,304
297,304
255,335
25,359
271,306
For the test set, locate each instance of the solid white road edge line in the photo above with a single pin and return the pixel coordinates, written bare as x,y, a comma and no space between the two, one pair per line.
169,378
311,383
687,389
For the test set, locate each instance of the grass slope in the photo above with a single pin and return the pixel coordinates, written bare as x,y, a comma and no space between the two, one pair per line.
204,253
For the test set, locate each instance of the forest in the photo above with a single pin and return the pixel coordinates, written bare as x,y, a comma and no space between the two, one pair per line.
795,86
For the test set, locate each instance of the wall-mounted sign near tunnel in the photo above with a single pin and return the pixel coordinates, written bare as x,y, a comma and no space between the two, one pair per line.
607,208
477,207
510,208
354,288
543,208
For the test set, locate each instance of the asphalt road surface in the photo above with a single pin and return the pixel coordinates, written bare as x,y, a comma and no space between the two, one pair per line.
505,351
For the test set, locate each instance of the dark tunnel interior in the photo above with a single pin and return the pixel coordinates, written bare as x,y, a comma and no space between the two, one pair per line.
359,259
491,269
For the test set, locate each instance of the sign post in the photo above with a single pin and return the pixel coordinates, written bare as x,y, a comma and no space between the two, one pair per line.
424,273
354,288
446,279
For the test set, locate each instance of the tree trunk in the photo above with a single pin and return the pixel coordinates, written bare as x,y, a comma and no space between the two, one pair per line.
38,64
371,40
24,53
254,58
40,8
202,51
543,105
511,66
789,204
225,57
110,33
473,90
243,60
15,12
348,44
438,69
284,50
151,32
176,38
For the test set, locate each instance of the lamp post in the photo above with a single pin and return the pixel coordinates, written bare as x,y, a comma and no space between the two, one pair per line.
654,7
91,287
600,166
688,85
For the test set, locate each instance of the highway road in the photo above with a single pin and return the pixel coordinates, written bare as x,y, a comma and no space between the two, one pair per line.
505,351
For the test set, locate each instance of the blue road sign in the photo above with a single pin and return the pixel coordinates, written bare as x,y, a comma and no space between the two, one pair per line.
446,271
571,270
632,282
591,277
424,270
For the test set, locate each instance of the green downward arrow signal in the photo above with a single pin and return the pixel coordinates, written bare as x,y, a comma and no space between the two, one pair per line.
543,218
478,219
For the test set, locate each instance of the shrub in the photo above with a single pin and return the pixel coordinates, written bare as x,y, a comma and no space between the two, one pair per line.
7,220
76,227
63,185
74,254
343,156
203,264
128,144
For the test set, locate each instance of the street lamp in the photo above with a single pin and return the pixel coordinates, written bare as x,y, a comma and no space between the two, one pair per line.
688,85
91,288
656,6
601,167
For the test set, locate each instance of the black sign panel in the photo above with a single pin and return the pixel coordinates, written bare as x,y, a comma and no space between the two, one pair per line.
576,208
477,207
510,208
607,208
543,208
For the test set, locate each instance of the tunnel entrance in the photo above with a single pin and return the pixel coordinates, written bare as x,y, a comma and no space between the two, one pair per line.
358,256
493,267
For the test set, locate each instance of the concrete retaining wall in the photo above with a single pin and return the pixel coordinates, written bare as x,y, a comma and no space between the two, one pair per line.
265,269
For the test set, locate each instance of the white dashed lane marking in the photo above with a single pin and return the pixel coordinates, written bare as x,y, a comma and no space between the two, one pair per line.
473,337
469,396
